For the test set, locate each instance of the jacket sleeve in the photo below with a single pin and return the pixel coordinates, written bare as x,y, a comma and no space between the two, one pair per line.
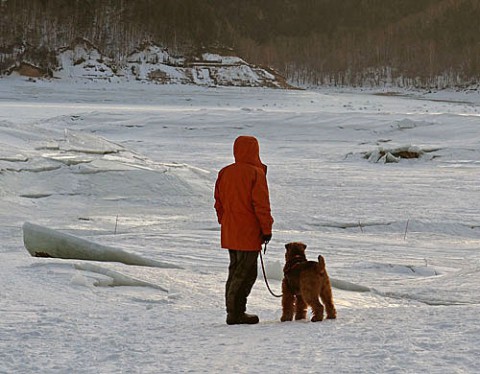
218,203
261,203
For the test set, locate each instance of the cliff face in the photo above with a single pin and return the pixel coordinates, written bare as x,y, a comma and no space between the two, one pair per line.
150,63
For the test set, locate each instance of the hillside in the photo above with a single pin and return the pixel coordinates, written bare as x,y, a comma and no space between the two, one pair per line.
428,43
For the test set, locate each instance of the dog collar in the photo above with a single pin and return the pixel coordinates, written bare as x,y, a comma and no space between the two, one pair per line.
293,263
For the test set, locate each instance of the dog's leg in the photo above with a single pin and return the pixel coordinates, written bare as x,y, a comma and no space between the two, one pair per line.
300,308
317,308
327,299
288,300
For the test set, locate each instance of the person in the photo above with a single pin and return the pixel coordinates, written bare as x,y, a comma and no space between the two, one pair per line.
242,204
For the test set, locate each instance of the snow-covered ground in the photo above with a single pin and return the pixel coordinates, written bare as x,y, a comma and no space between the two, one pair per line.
132,166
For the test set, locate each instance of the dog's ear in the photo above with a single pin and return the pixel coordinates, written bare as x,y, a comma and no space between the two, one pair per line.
287,246
304,246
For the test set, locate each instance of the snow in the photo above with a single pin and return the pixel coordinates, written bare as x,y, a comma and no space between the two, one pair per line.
44,242
131,167
83,62
228,60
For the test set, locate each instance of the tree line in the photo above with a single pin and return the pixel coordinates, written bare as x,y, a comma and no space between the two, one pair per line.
424,43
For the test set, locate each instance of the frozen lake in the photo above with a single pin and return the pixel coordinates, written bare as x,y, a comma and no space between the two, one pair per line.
132,166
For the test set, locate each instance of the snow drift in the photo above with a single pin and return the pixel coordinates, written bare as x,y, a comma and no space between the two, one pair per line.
44,242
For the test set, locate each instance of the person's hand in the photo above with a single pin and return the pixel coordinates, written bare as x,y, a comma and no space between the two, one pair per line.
266,238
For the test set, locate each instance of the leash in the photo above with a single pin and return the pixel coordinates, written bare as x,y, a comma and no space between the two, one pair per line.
265,274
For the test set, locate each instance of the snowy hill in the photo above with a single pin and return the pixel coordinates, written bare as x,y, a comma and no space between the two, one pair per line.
151,63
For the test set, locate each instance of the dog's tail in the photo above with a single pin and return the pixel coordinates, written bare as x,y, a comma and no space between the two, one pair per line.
321,264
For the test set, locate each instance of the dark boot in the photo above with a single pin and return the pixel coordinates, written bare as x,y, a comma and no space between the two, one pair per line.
242,319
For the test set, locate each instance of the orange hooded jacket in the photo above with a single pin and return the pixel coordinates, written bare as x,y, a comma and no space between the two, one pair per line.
242,200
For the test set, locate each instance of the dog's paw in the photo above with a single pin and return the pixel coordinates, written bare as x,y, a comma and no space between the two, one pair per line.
317,319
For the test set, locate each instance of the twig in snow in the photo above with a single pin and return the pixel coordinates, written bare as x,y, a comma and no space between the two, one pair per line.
116,223
406,229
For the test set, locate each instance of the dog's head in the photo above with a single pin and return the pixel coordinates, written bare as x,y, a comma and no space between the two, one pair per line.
295,249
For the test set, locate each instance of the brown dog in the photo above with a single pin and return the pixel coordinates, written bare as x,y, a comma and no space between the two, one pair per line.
303,283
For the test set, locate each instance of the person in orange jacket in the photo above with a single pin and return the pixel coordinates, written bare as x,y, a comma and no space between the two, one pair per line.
242,204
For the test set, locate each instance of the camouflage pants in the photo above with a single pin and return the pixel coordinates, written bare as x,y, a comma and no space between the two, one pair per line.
242,274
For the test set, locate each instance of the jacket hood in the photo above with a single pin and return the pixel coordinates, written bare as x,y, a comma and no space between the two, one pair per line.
247,150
